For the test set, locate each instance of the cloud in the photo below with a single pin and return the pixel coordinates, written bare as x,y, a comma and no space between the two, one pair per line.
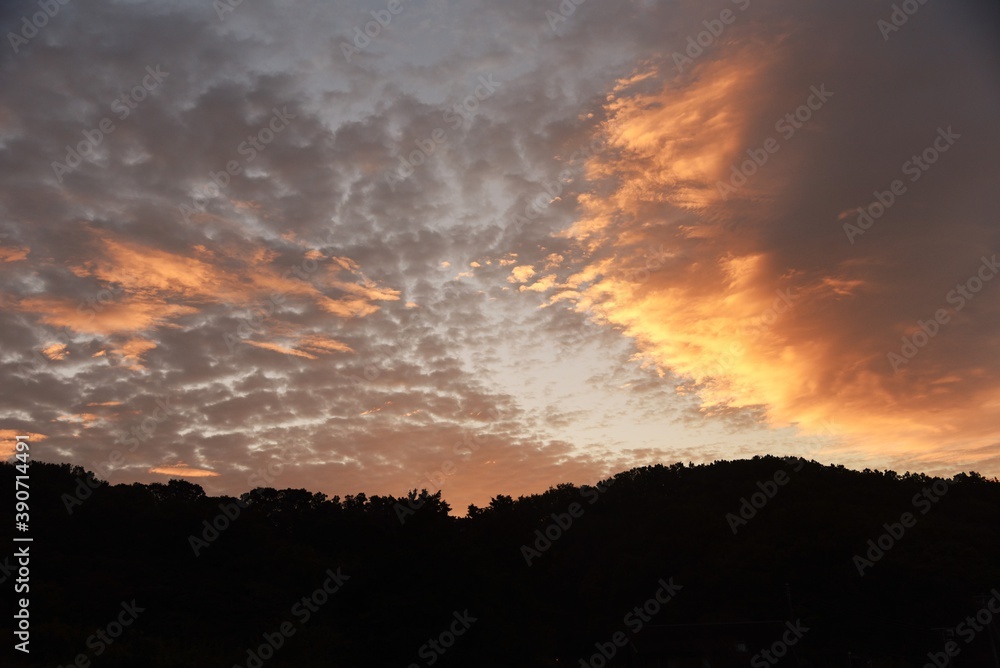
13,254
762,300
521,274
8,441
182,470
681,319
316,345
56,351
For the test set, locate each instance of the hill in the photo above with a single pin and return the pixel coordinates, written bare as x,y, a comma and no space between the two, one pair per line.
769,561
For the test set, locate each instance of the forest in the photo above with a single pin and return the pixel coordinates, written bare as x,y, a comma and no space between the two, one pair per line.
759,562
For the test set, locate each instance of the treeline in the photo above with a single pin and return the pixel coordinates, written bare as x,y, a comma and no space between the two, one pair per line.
295,578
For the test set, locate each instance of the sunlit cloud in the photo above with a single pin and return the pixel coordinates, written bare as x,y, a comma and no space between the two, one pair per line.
8,441
743,307
84,419
284,350
13,254
154,288
521,274
182,470
133,314
56,351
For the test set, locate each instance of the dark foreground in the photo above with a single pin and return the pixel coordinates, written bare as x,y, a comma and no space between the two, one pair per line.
747,563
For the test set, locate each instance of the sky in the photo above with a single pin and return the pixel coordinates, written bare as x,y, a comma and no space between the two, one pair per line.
374,246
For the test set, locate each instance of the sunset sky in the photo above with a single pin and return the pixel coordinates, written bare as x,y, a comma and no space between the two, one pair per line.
489,247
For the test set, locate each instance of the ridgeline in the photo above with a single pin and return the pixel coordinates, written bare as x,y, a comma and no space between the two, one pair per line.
769,561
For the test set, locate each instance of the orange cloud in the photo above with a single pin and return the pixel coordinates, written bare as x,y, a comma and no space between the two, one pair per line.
153,288
83,418
8,440
308,346
742,326
135,314
521,274
673,145
184,471
131,352
13,254
542,285
267,345
56,351
324,344
378,409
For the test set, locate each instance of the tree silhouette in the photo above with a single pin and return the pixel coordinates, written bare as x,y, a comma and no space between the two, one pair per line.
413,567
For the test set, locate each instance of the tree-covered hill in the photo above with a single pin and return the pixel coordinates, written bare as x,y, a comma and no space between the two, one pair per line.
647,558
